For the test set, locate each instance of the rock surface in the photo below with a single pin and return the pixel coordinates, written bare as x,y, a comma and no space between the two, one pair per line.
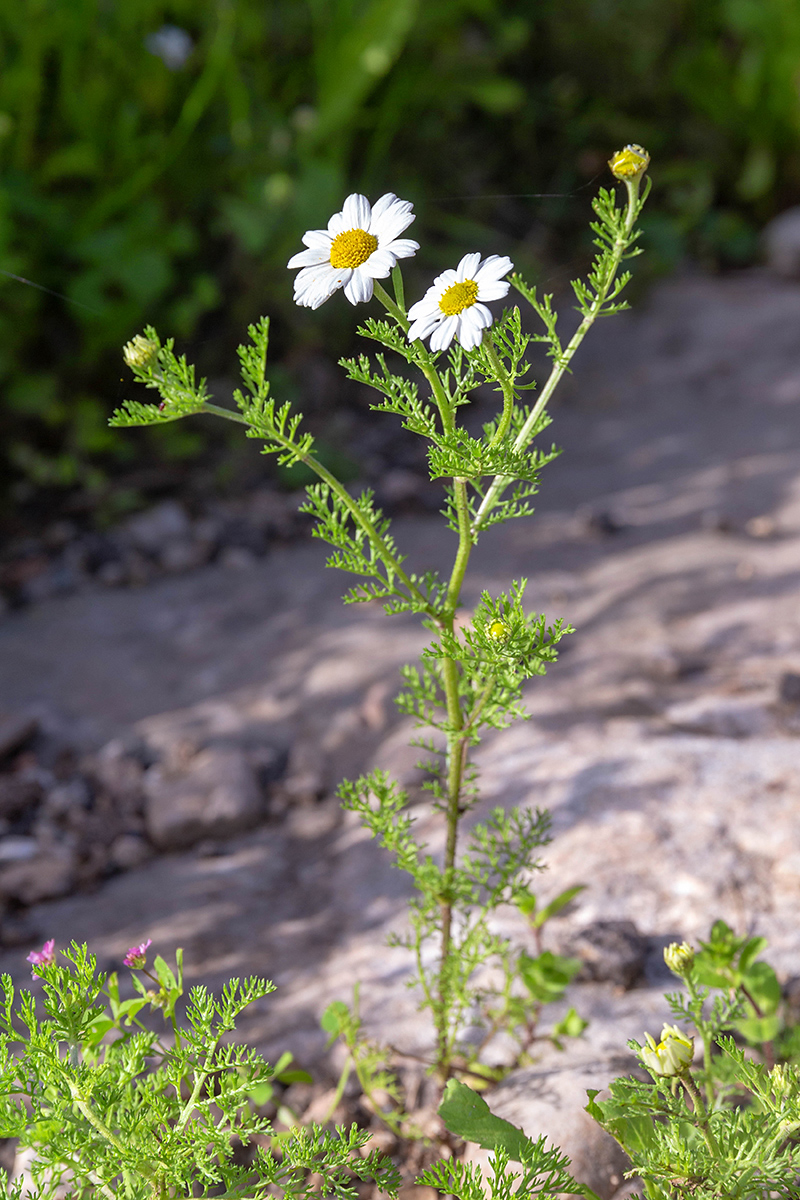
665,742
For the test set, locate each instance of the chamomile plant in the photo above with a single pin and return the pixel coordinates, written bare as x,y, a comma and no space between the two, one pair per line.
471,675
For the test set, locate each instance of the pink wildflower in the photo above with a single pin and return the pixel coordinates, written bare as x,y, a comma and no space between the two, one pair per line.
137,955
42,958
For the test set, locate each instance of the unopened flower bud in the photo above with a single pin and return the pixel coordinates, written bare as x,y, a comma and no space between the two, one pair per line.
679,957
630,163
672,1055
498,631
136,958
42,958
140,351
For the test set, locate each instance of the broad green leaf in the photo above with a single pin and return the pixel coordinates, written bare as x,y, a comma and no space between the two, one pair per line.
468,1116
762,986
750,952
757,1030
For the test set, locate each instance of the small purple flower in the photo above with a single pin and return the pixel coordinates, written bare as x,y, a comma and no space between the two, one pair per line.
137,955
42,958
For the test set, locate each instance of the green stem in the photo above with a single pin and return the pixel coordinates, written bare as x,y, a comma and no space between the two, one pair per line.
424,360
376,541
82,1105
561,365
507,388
701,1114
457,744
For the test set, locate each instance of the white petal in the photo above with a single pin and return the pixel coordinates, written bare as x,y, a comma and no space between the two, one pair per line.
469,336
314,285
443,334
493,290
387,201
443,281
379,264
337,224
317,238
359,289
493,267
402,247
391,224
467,267
310,258
356,212
422,327
473,322
428,304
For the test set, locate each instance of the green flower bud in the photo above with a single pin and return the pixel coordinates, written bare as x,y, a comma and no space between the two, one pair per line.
497,631
140,351
679,957
630,163
671,1056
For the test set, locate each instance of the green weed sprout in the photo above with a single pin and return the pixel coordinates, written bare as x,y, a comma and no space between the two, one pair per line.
111,1107
471,676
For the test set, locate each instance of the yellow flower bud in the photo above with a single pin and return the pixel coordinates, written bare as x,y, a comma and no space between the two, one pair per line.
140,351
679,958
672,1055
498,631
630,163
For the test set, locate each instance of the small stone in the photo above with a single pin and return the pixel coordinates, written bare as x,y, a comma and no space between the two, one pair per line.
15,731
789,688
183,554
129,851
153,529
237,558
41,877
719,716
611,951
216,794
17,794
760,527
17,849
781,239
67,796
113,573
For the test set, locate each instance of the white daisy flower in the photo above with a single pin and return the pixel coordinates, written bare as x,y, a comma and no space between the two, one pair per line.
361,243
453,306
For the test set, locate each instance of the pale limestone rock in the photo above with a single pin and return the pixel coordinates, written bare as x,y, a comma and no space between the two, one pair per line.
214,794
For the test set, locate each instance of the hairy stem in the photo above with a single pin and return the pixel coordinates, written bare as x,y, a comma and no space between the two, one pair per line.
701,1114
561,364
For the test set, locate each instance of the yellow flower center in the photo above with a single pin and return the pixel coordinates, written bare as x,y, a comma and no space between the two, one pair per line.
498,631
458,297
352,247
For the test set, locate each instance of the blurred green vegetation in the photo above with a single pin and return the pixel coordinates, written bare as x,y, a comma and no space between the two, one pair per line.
151,176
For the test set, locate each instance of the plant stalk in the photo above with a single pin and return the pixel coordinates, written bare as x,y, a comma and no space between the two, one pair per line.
561,365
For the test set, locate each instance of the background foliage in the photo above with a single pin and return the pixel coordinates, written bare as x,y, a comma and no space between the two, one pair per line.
143,189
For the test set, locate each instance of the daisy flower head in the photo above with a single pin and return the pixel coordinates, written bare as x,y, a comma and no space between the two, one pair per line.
361,243
454,305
